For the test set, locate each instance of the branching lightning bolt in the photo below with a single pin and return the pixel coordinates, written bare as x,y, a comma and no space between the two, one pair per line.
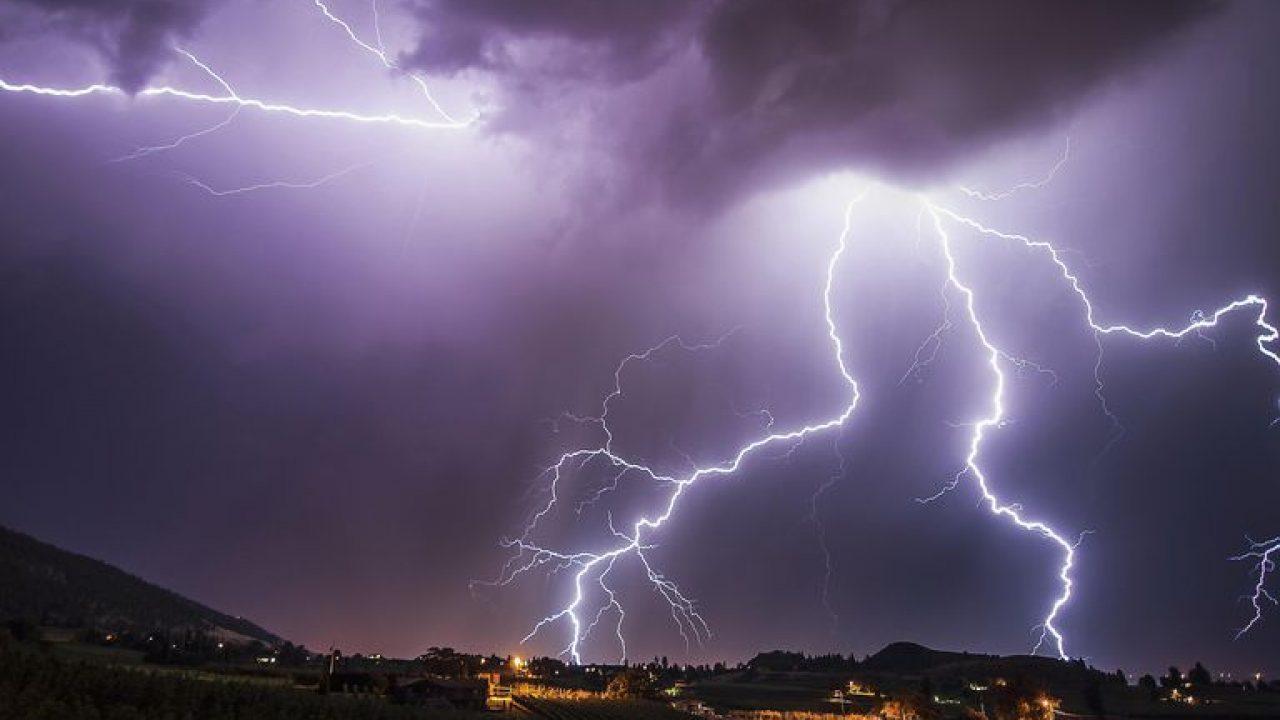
634,542
820,529
234,100
1261,553
379,51
180,140
237,101
273,184
1199,322
1063,159
992,420
595,566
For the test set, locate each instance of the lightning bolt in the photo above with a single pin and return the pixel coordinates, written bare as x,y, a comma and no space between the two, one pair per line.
274,184
238,102
595,566
992,420
234,100
379,51
178,142
820,529
1063,159
1198,323
1261,552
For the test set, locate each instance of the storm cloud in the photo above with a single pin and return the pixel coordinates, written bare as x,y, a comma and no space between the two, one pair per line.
753,93
323,407
134,36
761,91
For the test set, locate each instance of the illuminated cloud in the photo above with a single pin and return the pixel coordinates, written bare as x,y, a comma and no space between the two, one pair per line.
134,36
758,91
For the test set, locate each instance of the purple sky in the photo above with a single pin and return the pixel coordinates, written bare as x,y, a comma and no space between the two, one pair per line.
323,408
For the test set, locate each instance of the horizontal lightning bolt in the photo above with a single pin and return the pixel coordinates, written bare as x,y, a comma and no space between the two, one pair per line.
233,99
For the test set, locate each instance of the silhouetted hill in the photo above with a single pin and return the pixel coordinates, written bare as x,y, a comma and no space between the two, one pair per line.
910,659
907,661
50,586
906,658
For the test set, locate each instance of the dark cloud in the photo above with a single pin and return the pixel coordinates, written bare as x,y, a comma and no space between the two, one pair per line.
771,88
133,35
585,38
910,85
334,398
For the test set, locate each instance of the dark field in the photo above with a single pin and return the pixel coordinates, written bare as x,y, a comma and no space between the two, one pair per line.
600,709
47,686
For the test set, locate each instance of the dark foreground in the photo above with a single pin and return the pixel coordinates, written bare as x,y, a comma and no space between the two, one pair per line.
41,685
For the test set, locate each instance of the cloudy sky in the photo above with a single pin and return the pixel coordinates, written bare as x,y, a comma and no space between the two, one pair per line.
309,370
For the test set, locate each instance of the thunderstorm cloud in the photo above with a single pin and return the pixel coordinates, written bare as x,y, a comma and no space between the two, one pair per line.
758,91
322,407
134,36
703,100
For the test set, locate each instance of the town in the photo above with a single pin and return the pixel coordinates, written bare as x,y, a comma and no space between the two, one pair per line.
903,681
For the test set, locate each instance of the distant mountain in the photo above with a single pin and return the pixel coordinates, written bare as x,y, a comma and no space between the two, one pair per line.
51,586
909,659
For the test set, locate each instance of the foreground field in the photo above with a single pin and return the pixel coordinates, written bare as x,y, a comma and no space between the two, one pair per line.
41,686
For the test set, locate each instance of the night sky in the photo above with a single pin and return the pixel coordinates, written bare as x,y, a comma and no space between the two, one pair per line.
324,408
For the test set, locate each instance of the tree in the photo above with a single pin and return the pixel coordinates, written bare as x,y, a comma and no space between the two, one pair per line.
1148,683
629,683
1173,679
1199,676
1093,697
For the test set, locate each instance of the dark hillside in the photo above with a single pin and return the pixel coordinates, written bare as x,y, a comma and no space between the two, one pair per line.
905,658
50,586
